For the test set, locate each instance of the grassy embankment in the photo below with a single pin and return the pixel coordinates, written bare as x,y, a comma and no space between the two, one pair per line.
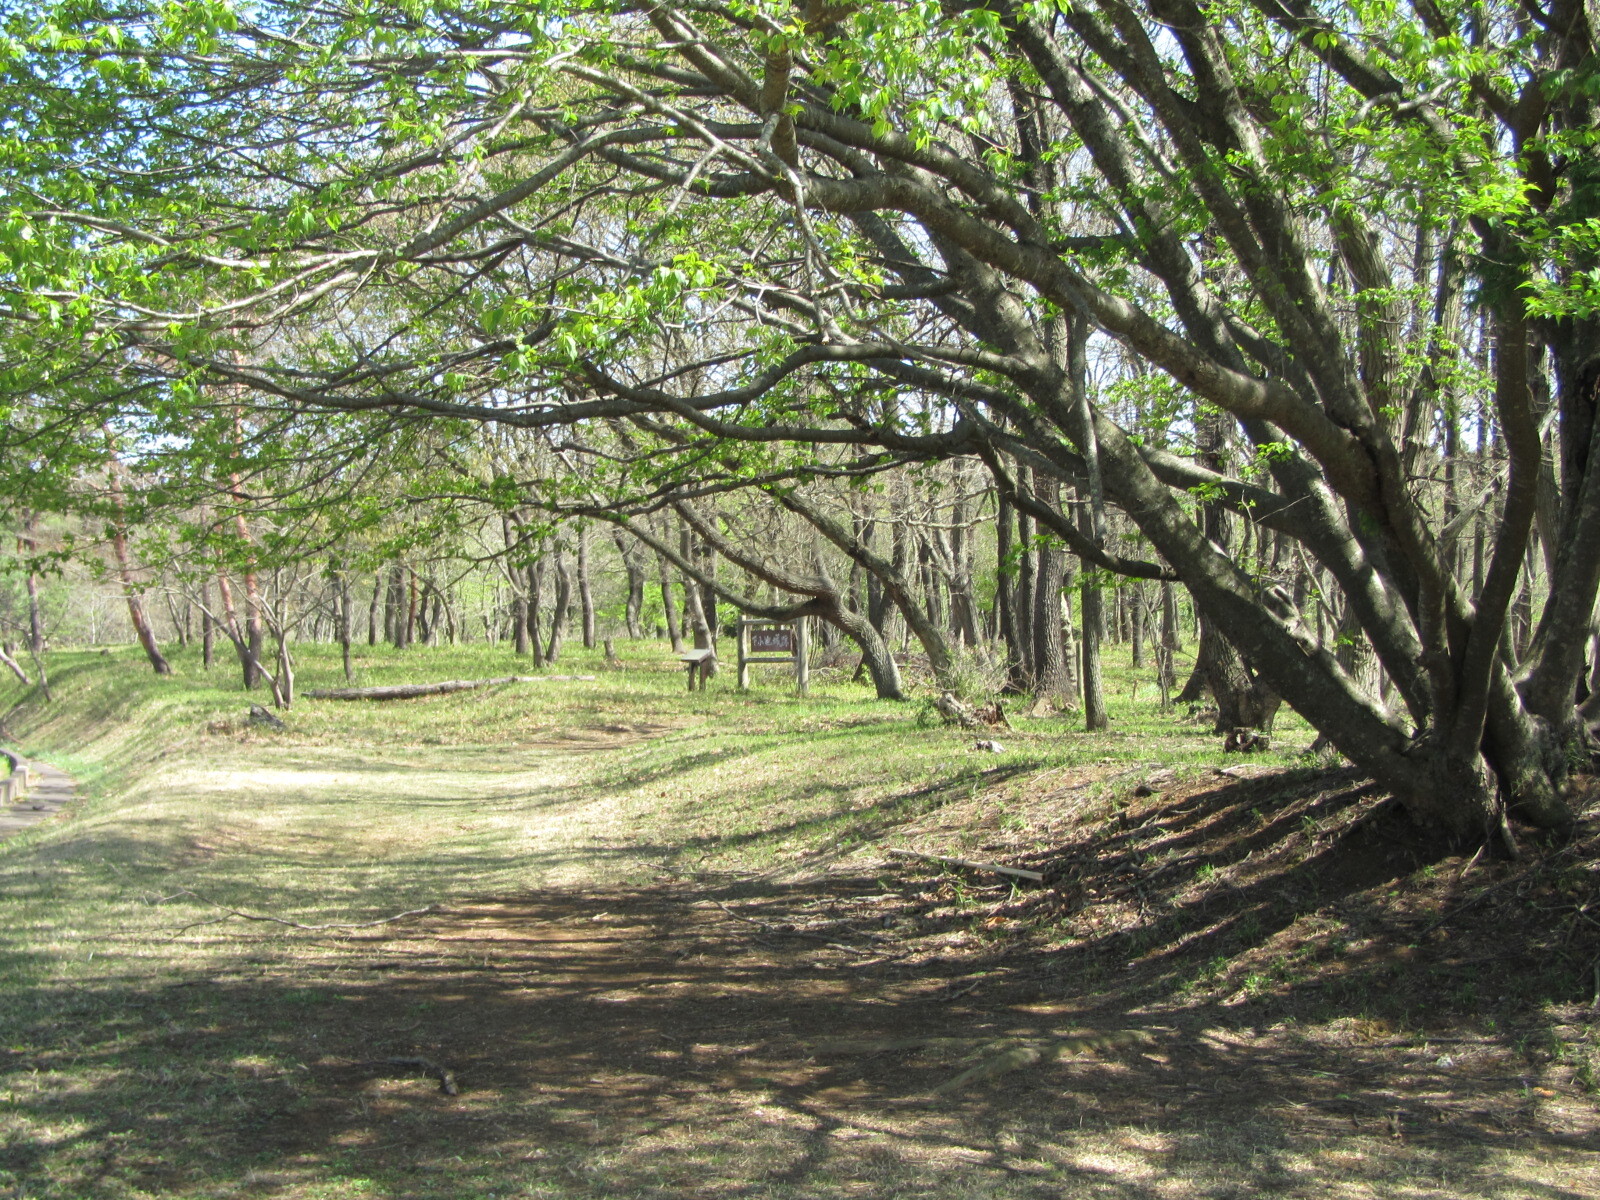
150,1052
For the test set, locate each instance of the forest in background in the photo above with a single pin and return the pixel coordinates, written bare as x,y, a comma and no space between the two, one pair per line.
986,330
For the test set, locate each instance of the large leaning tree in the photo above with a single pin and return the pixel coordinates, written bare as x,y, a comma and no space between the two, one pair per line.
1347,238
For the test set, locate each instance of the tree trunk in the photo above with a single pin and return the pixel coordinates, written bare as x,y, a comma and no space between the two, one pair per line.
585,591
252,599
408,584
175,618
1141,614
563,606
519,622
669,607
1245,706
628,551
1024,607
230,624
1005,601
1052,676
35,616
342,589
119,546
372,608
208,625
536,609
693,598
1092,610
1167,648
283,682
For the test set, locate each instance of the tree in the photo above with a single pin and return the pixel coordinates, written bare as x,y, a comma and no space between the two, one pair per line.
878,227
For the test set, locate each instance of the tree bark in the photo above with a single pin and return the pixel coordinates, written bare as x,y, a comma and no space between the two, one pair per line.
1052,674
562,608
1005,601
372,609
341,583
535,614
29,546
628,551
119,546
669,606
585,590
208,625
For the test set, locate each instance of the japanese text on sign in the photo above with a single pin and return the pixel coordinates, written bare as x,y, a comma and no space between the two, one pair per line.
772,641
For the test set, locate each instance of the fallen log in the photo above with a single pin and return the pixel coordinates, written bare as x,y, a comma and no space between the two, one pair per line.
1035,876
410,691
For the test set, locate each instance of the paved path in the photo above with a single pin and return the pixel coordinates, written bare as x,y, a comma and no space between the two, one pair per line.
51,792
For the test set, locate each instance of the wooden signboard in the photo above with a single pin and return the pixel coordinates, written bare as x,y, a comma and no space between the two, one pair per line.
772,639
774,642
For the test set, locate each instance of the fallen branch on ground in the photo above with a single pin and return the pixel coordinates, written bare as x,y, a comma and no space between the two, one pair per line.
1035,876
249,916
410,691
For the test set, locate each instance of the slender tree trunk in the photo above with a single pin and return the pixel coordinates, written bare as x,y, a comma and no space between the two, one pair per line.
1052,676
1136,601
230,624
208,627
1167,650
628,551
1024,608
535,613
119,546
520,622
563,607
35,616
878,606
1091,626
14,667
175,618
585,591
1005,599
669,606
693,596
408,586
252,598
341,583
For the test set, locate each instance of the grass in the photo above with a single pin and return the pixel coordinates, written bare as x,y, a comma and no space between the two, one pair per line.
646,893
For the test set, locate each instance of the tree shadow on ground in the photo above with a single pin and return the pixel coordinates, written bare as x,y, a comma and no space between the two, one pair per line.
665,1041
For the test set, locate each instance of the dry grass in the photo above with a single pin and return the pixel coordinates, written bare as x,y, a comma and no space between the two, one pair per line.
657,903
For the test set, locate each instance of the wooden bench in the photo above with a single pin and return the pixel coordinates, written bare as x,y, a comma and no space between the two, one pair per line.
699,663
15,783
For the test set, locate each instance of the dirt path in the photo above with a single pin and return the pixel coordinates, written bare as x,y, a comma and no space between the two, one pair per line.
664,1042
1300,1031
51,792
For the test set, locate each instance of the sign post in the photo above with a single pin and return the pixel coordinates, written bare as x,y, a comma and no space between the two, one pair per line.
775,642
